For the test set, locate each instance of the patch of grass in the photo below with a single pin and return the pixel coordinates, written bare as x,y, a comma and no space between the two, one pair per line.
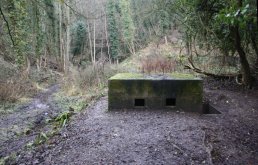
58,123
66,102
40,139
63,118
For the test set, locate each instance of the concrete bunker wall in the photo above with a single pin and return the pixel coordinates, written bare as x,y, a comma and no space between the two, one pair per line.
152,93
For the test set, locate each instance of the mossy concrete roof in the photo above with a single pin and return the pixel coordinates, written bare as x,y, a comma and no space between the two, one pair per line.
140,76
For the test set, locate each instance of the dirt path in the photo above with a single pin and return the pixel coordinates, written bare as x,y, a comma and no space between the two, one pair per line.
23,125
157,137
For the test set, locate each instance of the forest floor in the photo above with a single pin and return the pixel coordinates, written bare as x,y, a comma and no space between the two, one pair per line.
97,136
21,126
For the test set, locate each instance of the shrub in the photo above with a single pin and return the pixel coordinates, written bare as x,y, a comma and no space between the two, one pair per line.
157,64
94,76
12,90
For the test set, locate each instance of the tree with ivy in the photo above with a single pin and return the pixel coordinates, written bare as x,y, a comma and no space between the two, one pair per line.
18,22
223,25
113,28
78,38
237,17
32,29
128,28
164,21
51,36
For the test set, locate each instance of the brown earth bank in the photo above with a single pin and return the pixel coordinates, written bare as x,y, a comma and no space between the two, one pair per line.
97,136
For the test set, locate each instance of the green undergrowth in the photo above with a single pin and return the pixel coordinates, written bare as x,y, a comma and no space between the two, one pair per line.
65,102
44,77
20,98
70,106
11,107
78,102
56,125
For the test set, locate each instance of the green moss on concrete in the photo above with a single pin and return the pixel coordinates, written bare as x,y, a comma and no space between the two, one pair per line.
127,76
192,93
192,87
124,88
182,76
140,76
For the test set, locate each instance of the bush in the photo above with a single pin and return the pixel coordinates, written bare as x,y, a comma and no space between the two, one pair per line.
92,77
157,64
12,90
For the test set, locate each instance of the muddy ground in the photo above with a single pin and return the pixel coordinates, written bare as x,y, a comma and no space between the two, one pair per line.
27,121
97,136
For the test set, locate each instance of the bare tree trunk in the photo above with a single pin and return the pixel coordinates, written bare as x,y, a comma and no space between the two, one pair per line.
94,41
246,73
26,71
90,41
60,34
101,49
106,33
38,63
45,56
66,56
131,48
189,47
166,40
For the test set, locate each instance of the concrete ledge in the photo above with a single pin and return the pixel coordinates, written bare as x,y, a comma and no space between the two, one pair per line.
171,91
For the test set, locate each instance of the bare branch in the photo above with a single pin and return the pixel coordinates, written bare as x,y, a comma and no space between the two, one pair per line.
192,67
80,14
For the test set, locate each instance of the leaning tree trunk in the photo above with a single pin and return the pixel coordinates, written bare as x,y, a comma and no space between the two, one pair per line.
246,73
247,78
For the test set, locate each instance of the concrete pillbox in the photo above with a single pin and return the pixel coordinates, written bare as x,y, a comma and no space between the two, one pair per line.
169,91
